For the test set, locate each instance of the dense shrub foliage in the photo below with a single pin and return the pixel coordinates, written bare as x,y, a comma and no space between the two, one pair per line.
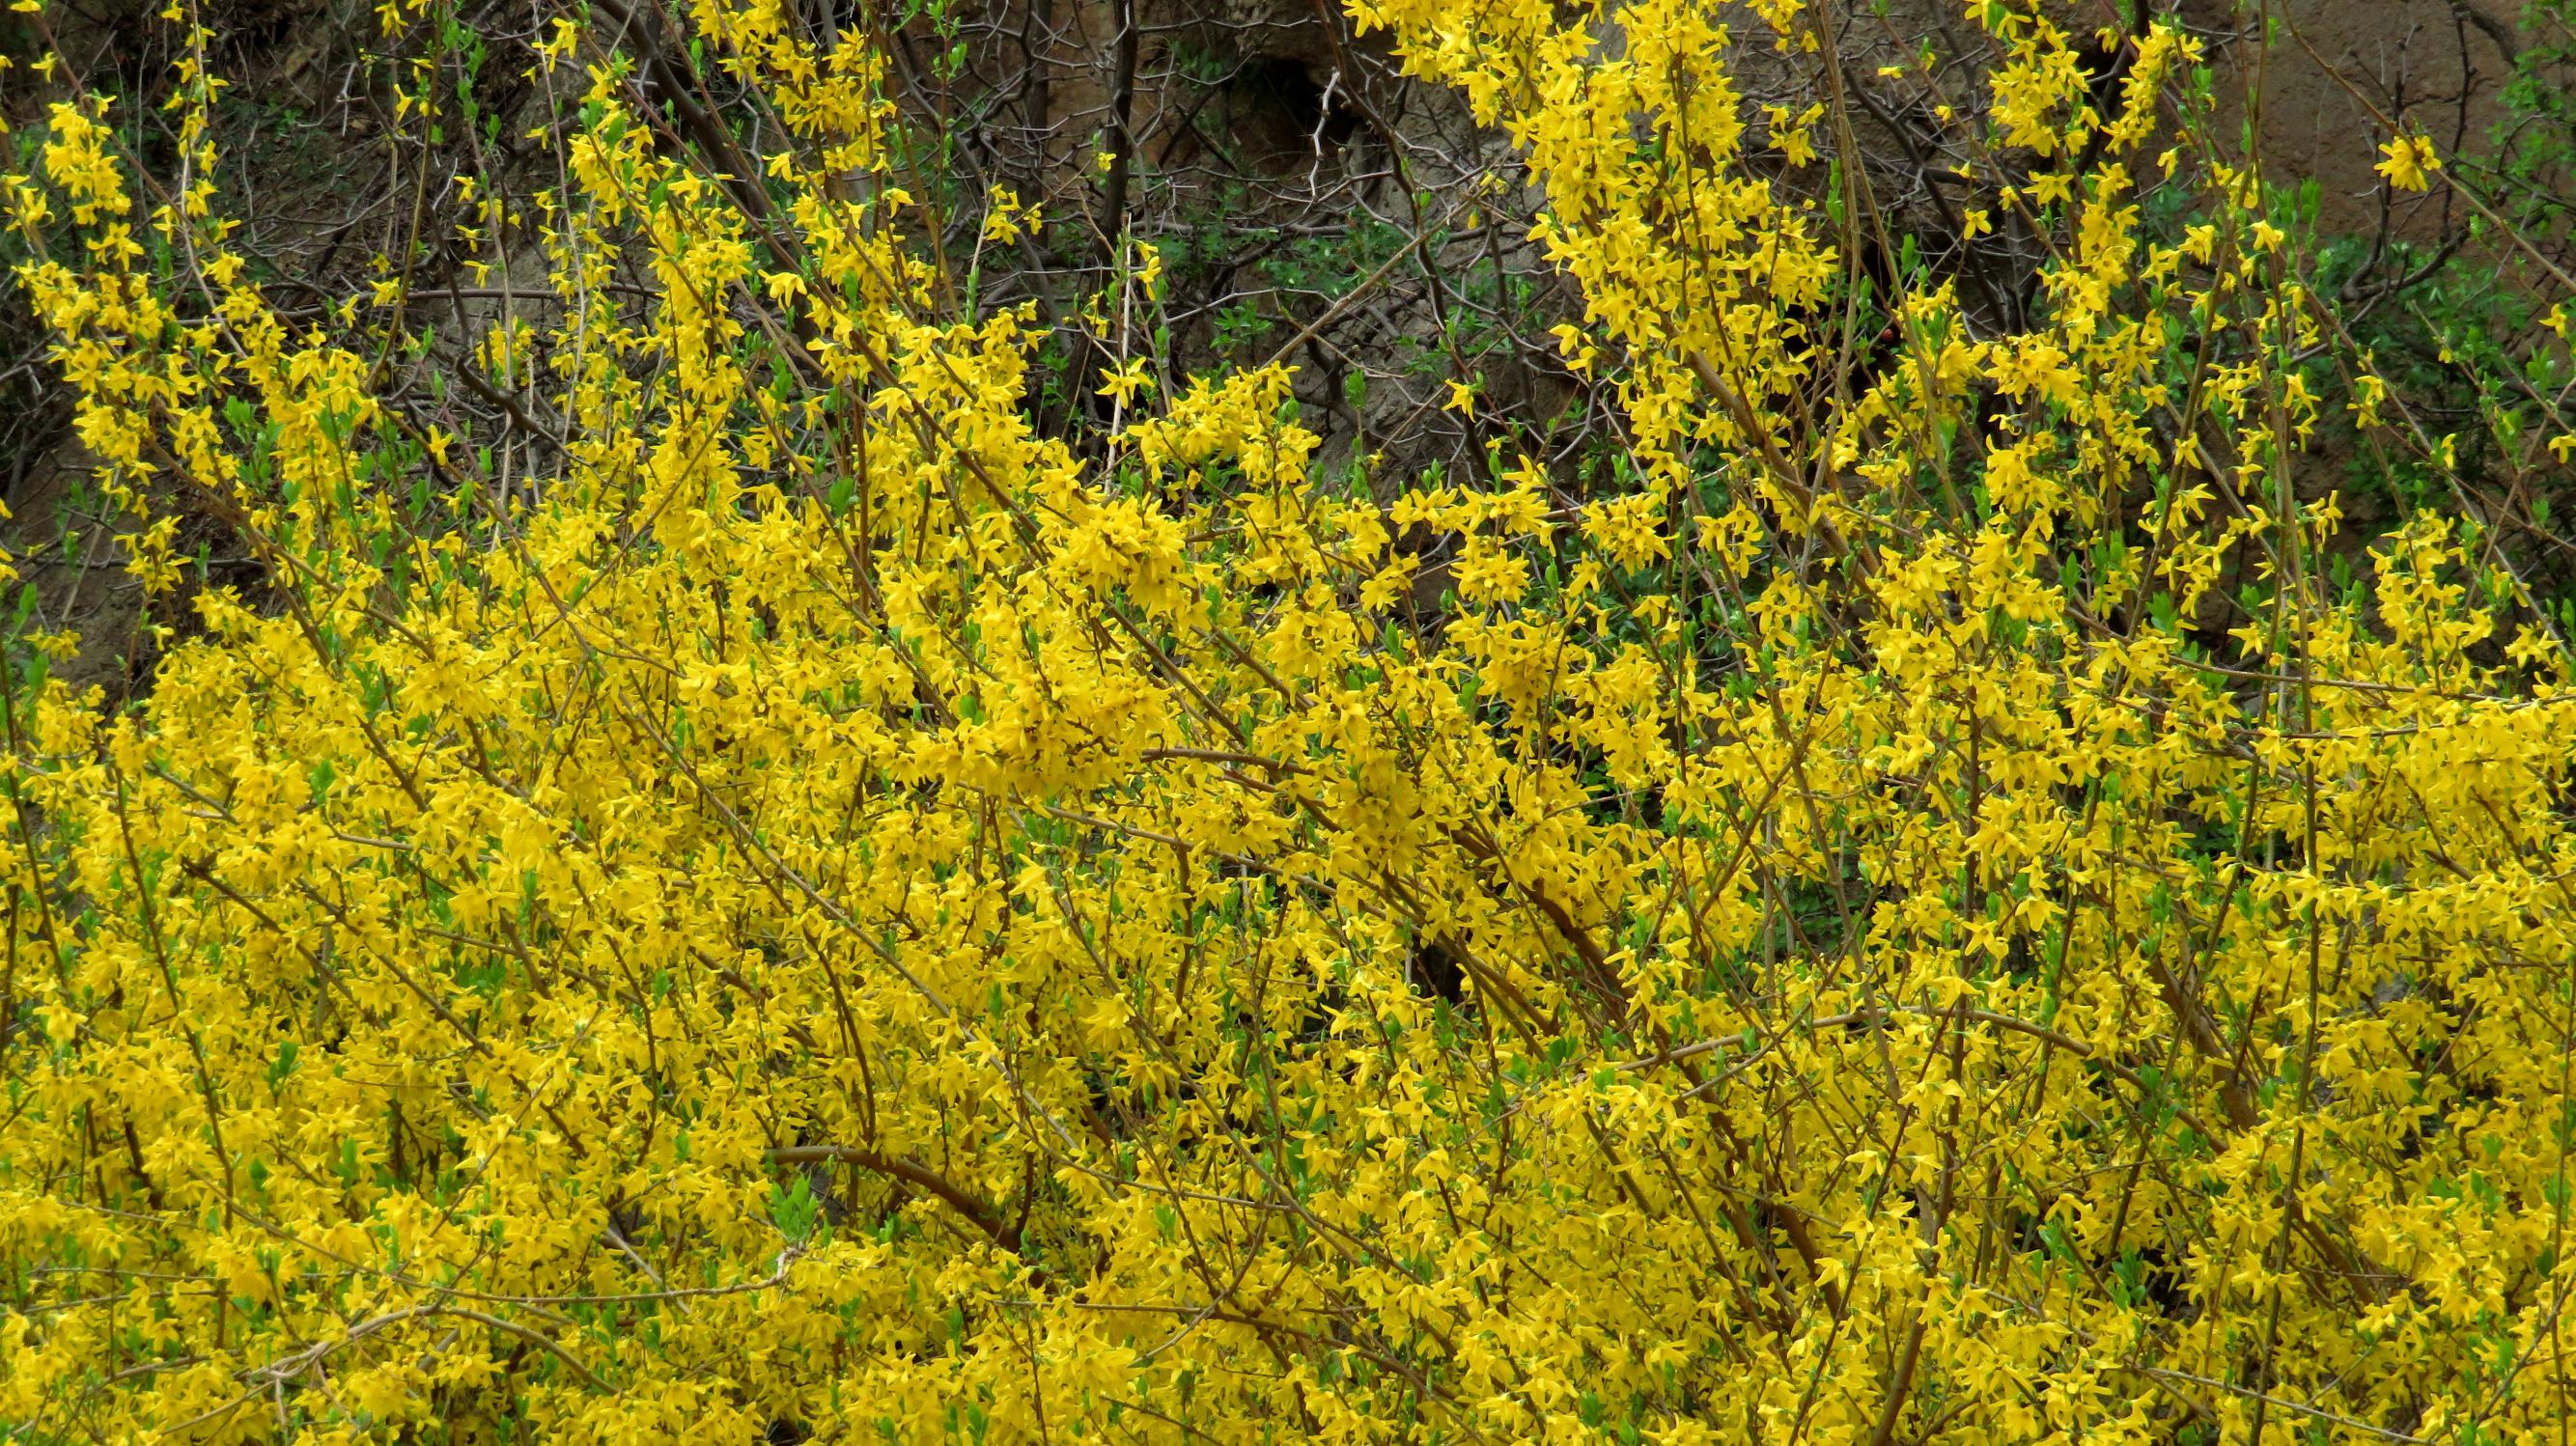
1931,895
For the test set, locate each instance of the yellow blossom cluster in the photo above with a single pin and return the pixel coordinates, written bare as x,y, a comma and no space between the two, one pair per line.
1926,909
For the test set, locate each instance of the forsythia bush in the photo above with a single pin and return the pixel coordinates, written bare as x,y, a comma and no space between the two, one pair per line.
769,899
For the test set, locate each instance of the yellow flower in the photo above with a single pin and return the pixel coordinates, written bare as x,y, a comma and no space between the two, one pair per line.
1005,219
1124,381
2408,162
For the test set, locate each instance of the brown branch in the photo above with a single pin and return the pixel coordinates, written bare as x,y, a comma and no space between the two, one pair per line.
982,1215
